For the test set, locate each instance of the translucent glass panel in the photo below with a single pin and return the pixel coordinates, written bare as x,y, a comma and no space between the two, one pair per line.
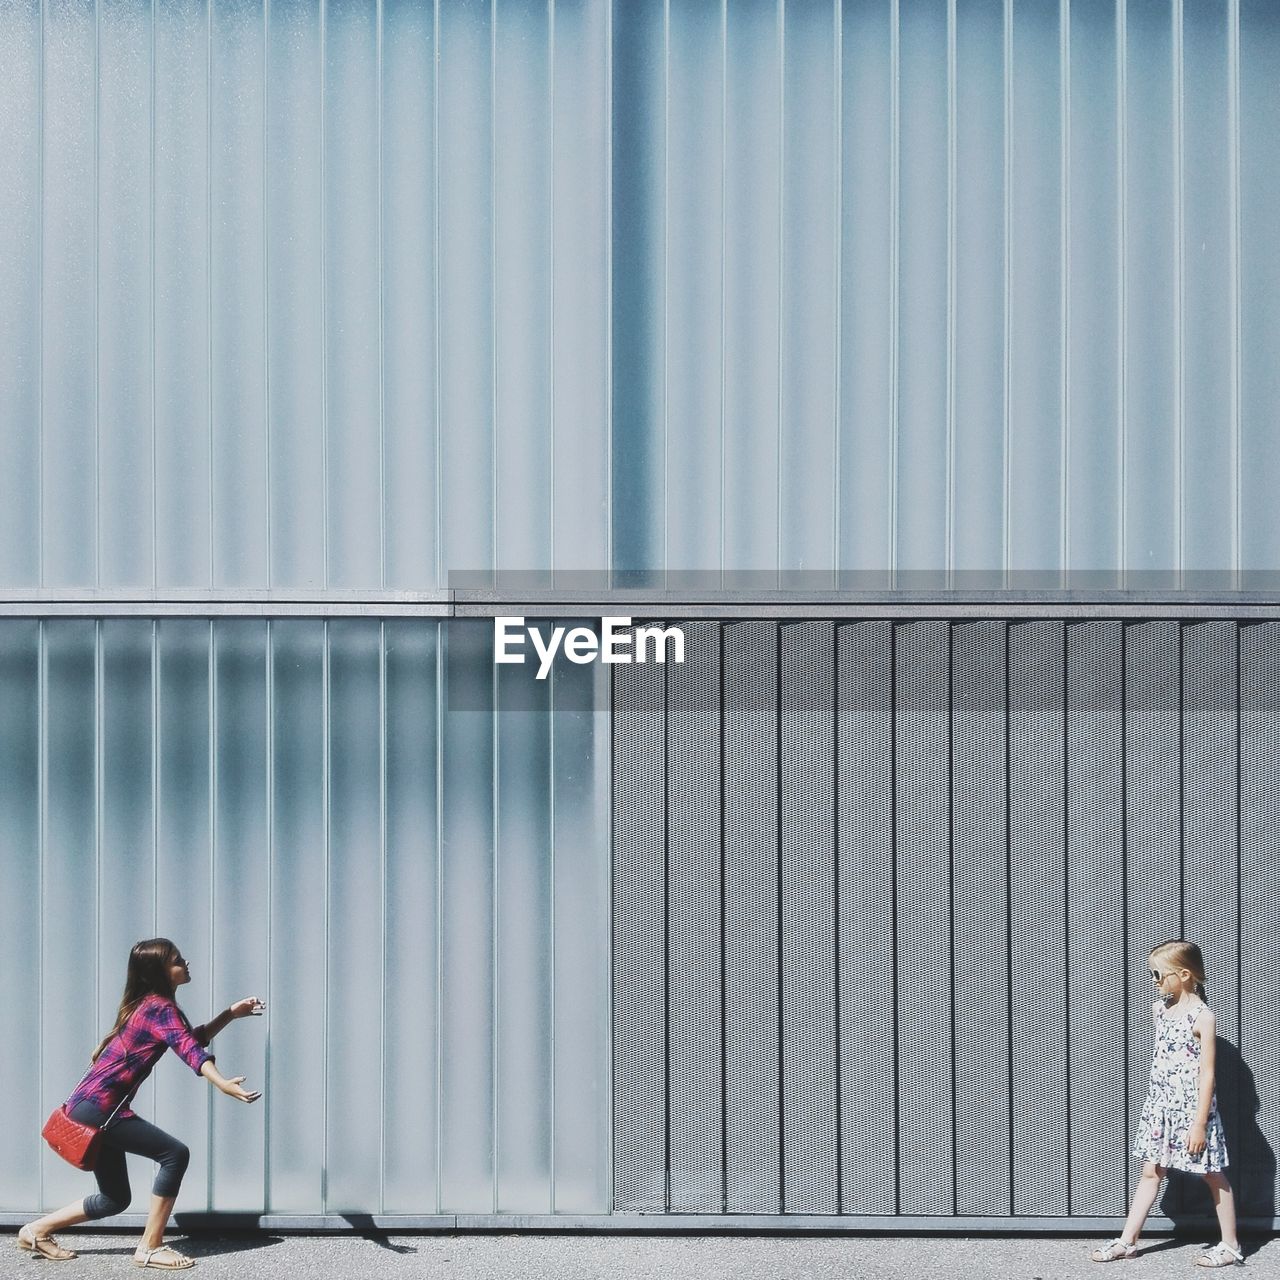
310,295
234,352
407,860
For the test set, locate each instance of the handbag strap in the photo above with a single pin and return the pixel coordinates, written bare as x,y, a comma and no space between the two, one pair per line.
124,1098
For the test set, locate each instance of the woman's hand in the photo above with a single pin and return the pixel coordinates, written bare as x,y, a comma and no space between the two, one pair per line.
249,1007
232,1088
1196,1138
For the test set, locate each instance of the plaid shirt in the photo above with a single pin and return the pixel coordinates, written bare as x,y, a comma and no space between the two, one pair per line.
155,1025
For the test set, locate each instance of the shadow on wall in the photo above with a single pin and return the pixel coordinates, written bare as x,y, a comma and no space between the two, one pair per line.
1252,1171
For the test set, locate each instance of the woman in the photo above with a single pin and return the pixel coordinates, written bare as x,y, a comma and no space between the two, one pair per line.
149,1022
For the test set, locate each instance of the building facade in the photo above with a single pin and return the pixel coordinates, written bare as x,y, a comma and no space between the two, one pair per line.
916,359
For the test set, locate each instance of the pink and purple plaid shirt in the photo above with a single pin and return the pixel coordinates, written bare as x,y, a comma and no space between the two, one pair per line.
155,1025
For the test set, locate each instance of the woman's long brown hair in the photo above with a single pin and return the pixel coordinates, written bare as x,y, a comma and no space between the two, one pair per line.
148,975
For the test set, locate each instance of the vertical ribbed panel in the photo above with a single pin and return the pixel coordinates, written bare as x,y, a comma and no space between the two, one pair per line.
21,66
21,817
271,795
920,444
810,299
1256,182
640,1071
1206,220
752,281
1258,1110
807,904
357,871
1094,470
638,315
523,258
865,876
867,235
979,782
1034,285
753,1153
238,924
694,265
581,276
695,943
978,342
524,1017
298,891
1096,964
410,1079
236,191
351,257
467,945
1039,918
298,479
925,1048
409,271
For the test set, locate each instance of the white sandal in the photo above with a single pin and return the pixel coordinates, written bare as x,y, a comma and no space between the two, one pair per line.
42,1246
1221,1255
1117,1251
174,1262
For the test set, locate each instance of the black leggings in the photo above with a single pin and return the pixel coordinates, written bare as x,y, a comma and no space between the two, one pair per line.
140,1139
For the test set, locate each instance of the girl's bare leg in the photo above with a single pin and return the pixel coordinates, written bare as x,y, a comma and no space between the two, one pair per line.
157,1220
68,1216
1224,1204
1144,1196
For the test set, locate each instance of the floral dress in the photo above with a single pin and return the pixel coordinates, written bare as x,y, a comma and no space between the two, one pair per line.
1170,1108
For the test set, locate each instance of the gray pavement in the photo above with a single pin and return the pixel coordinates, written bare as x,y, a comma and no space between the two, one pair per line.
613,1257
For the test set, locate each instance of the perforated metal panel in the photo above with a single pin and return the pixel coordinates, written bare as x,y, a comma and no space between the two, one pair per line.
1100,1169
753,1150
884,893
807,892
980,858
1038,917
695,1007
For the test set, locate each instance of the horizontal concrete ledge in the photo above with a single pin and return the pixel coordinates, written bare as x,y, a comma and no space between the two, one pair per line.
670,610
224,604
640,603
664,1224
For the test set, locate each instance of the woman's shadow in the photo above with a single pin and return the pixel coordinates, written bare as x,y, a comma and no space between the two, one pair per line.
1252,1171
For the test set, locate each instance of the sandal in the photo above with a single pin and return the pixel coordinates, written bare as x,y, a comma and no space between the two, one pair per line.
42,1246
1117,1251
1221,1255
171,1259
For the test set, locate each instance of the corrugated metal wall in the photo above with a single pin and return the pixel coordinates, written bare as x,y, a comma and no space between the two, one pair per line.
884,893
321,294
403,849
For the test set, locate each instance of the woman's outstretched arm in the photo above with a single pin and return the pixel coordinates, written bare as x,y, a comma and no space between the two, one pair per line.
232,1088
249,1007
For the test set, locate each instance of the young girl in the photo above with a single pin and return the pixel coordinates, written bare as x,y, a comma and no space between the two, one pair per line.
149,1022
1179,1128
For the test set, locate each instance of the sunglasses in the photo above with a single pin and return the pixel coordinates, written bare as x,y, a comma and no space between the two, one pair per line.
1158,976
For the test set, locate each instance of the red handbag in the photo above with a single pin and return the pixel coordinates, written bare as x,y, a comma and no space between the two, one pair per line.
76,1143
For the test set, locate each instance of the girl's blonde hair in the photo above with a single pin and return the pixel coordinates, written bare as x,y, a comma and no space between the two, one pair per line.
1178,953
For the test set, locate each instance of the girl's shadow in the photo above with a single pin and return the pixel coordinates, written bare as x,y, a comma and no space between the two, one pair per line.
1252,1171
